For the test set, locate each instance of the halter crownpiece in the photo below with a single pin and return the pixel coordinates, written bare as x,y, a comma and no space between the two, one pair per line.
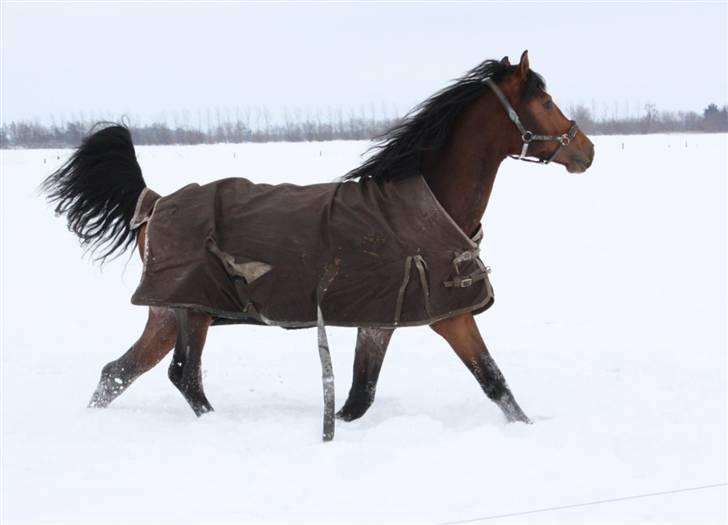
528,136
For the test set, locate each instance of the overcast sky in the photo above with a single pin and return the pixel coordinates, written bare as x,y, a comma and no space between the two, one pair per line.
145,59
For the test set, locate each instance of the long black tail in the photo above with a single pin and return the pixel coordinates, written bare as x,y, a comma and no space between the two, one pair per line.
97,190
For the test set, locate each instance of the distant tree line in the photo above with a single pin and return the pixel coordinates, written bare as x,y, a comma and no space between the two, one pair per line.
334,126
712,120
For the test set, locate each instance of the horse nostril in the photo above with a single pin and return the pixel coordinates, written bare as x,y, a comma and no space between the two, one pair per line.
580,162
590,160
584,160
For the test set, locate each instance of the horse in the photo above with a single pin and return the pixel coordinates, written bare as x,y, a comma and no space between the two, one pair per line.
455,140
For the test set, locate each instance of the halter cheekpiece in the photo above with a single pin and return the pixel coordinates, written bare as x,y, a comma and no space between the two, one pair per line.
529,136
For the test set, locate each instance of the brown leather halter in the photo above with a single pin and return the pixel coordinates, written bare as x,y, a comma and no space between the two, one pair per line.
528,136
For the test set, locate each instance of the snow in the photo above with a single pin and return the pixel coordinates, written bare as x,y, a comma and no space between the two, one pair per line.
609,325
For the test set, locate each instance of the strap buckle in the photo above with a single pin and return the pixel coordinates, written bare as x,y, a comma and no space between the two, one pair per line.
464,283
468,255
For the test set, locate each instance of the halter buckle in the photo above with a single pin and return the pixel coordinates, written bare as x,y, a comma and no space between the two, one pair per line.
527,137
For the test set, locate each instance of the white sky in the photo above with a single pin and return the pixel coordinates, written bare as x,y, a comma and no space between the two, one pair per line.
150,59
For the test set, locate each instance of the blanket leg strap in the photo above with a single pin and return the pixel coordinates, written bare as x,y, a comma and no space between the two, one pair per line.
327,376
327,369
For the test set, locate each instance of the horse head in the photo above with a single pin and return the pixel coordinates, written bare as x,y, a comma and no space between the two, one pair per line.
540,128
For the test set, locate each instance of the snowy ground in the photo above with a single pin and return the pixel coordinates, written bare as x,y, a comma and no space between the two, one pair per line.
609,325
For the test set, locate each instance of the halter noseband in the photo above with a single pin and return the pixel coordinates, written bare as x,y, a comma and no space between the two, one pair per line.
528,136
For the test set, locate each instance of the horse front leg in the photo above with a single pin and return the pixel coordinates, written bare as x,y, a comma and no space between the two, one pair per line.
462,333
371,345
185,370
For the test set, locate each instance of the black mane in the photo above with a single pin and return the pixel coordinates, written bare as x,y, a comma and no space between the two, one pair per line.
428,125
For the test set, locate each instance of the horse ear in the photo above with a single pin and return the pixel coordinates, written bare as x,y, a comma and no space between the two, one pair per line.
505,61
523,66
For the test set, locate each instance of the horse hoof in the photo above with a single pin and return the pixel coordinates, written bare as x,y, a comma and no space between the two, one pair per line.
511,410
101,398
519,418
344,416
349,415
201,410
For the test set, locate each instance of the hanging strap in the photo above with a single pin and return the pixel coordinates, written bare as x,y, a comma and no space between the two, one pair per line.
327,369
327,378
421,267
402,289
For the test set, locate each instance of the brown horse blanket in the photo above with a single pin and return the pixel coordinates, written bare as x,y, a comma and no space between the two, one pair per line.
370,253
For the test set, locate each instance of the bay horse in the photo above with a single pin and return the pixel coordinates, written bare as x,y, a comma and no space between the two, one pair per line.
456,140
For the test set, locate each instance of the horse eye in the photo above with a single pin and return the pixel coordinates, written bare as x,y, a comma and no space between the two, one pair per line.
548,104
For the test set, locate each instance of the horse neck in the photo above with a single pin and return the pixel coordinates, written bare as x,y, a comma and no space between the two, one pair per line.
461,175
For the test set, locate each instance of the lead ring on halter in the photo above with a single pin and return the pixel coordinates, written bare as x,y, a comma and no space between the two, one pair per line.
529,136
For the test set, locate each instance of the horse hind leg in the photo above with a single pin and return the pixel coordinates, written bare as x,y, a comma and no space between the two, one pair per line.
464,337
155,342
185,370
371,346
